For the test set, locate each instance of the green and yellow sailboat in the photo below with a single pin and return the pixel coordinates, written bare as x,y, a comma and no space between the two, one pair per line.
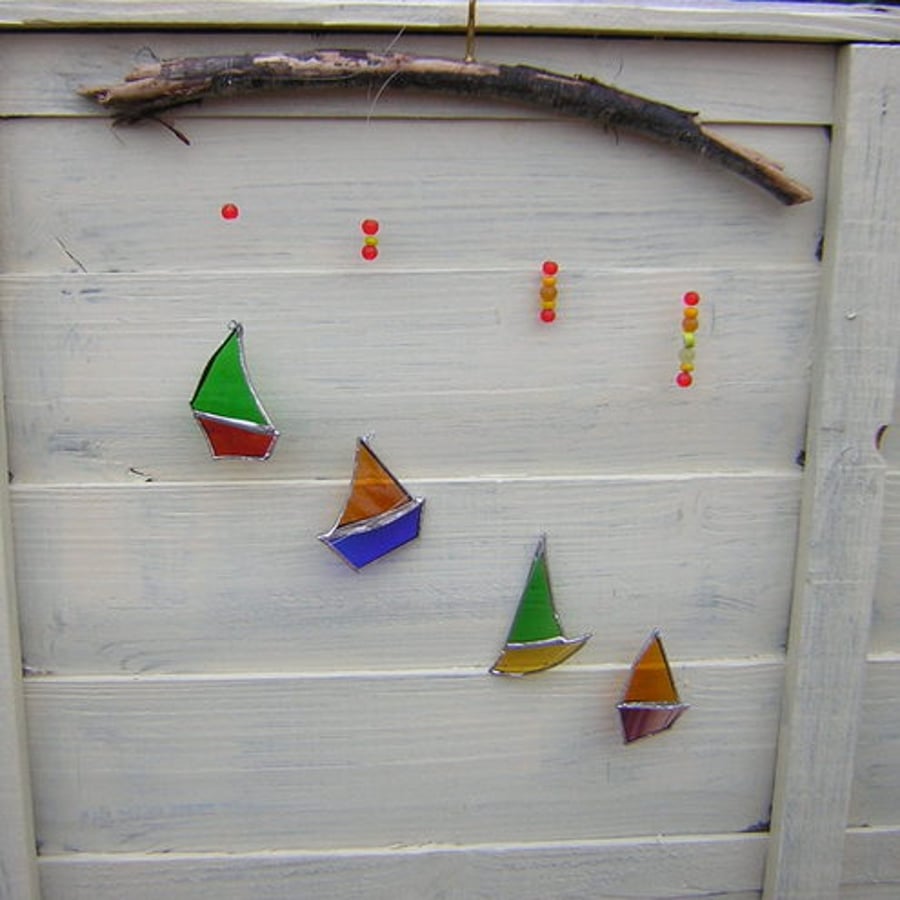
536,641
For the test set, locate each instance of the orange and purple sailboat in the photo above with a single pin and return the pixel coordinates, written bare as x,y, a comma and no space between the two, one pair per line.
227,408
651,703
379,516
536,641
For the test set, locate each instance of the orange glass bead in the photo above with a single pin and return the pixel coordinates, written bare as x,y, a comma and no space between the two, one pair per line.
548,292
689,325
692,312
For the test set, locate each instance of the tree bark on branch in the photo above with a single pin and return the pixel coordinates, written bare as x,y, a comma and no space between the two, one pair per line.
150,90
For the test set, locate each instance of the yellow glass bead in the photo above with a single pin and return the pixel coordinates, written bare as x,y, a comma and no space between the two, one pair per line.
689,339
548,280
548,304
371,241
687,367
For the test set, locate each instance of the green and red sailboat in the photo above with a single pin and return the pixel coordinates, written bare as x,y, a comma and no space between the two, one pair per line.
227,407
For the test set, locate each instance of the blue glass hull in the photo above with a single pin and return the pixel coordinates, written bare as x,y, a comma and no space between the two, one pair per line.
362,547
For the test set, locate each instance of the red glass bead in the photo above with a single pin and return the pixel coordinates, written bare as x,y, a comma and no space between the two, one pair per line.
230,211
684,379
369,226
548,315
691,298
550,267
369,251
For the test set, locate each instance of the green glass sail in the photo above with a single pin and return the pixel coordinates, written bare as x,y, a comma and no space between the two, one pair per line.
224,388
536,616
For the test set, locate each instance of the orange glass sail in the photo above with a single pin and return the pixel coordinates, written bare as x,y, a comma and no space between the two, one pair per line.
651,703
379,516
375,490
651,678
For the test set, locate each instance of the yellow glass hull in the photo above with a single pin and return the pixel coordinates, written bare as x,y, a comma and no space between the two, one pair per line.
523,659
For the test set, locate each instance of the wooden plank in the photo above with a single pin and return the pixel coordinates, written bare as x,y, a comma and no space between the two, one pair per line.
411,356
885,634
871,864
746,82
853,389
722,18
218,578
658,868
373,760
139,200
875,800
680,868
18,863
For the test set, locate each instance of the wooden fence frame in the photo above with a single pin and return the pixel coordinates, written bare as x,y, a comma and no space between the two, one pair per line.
857,348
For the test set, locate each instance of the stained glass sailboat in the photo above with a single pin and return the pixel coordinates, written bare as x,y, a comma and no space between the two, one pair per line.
227,408
379,516
651,703
536,641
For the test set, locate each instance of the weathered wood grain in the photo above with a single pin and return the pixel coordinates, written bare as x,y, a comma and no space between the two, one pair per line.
658,868
875,798
871,870
727,82
18,863
231,578
514,189
885,632
176,764
723,18
853,387
330,714
680,868
452,370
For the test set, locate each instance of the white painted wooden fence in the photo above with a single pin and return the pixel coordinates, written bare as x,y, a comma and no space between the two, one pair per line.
212,705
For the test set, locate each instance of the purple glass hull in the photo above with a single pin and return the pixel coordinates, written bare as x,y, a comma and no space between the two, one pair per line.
642,720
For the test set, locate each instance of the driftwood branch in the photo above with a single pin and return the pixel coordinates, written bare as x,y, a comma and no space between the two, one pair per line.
154,88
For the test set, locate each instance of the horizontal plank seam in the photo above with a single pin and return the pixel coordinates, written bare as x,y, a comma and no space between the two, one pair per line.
807,22
811,268
35,488
668,841
37,680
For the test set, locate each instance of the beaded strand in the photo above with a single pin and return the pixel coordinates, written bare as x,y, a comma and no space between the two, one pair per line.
549,290
690,322
370,241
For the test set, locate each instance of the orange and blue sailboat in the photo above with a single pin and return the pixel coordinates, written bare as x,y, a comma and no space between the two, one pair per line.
379,516
227,408
536,641
650,703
